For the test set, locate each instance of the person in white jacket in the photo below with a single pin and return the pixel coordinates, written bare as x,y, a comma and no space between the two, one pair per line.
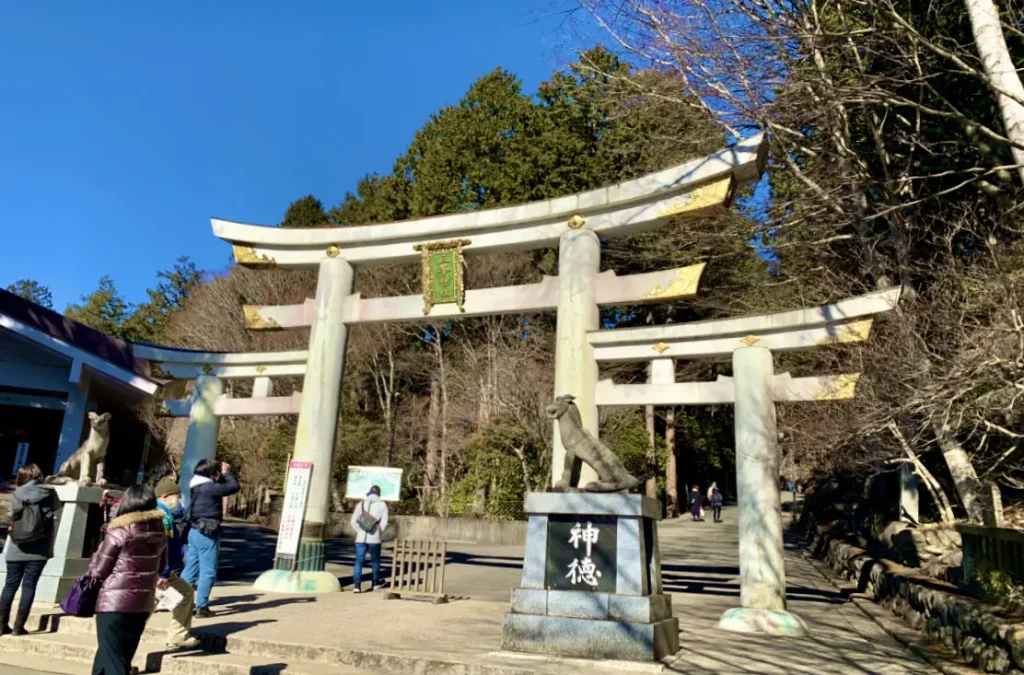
369,520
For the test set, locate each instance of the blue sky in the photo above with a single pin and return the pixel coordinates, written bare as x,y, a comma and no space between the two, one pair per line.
125,125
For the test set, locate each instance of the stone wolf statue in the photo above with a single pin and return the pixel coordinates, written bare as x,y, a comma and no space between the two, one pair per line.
580,444
79,466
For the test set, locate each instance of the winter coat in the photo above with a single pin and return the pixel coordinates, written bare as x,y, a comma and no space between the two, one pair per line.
174,522
129,562
716,498
379,510
696,500
33,492
207,496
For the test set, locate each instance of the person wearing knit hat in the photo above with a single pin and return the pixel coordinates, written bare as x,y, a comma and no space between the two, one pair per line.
179,633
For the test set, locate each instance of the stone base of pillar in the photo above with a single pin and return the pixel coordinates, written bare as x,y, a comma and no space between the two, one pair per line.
283,581
310,558
76,538
777,622
304,575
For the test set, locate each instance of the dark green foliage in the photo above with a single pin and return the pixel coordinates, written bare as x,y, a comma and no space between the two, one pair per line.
500,464
173,287
305,212
32,290
106,310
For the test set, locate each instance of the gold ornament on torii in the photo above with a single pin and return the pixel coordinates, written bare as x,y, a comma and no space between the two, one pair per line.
442,271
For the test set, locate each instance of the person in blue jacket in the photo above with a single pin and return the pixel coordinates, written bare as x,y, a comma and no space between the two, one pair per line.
210,483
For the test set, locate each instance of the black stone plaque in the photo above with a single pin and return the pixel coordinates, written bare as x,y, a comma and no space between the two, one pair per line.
568,566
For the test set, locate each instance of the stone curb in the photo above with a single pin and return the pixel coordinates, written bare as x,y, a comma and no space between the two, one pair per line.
898,631
152,653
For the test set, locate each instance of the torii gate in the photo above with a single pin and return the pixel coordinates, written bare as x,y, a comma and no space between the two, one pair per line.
209,403
753,389
574,223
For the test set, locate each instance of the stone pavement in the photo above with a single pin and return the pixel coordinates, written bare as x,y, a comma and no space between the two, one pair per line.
365,633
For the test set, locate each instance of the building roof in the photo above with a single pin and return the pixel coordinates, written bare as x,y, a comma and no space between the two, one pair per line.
74,339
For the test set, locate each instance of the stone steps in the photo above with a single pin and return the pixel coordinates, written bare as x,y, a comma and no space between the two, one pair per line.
72,654
44,664
73,639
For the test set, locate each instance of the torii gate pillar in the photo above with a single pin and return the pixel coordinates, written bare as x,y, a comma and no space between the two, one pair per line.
314,437
762,567
579,261
203,427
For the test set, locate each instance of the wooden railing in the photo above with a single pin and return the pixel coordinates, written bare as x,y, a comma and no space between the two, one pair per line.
417,570
993,548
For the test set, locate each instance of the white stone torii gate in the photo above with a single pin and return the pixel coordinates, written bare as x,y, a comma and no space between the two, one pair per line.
208,402
574,223
753,389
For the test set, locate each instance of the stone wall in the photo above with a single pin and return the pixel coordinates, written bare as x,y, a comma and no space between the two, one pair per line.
452,530
988,637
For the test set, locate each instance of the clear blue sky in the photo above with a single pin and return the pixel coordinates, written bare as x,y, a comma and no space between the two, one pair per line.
125,125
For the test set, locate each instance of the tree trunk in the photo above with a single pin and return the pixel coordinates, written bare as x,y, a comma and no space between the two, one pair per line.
964,476
934,489
433,439
995,56
671,481
651,485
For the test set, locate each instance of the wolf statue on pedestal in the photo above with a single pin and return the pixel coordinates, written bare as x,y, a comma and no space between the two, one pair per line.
580,444
79,466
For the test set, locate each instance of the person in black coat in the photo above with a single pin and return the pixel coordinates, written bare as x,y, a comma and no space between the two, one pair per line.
696,501
210,483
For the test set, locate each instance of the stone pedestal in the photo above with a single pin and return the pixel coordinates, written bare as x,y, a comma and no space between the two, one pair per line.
77,535
591,584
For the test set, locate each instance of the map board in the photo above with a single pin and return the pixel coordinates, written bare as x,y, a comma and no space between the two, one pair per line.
361,478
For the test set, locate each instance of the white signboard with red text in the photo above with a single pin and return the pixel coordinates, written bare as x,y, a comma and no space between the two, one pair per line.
294,511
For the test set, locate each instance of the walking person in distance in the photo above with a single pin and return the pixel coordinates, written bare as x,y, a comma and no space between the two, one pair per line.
210,483
369,520
29,545
716,504
696,501
127,564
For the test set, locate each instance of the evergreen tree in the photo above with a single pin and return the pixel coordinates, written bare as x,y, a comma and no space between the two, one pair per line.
305,212
104,309
173,287
32,290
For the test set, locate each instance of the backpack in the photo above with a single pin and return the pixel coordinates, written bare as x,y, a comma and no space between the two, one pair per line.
29,525
366,522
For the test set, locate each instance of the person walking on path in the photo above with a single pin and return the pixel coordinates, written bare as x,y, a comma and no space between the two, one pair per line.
127,564
179,632
29,545
210,483
696,501
716,504
369,520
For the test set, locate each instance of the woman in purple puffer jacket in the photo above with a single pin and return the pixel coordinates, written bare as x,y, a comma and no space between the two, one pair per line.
128,563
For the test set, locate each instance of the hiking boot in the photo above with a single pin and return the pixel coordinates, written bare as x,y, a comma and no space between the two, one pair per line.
203,613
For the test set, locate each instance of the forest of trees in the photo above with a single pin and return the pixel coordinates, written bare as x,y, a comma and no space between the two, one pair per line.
891,163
